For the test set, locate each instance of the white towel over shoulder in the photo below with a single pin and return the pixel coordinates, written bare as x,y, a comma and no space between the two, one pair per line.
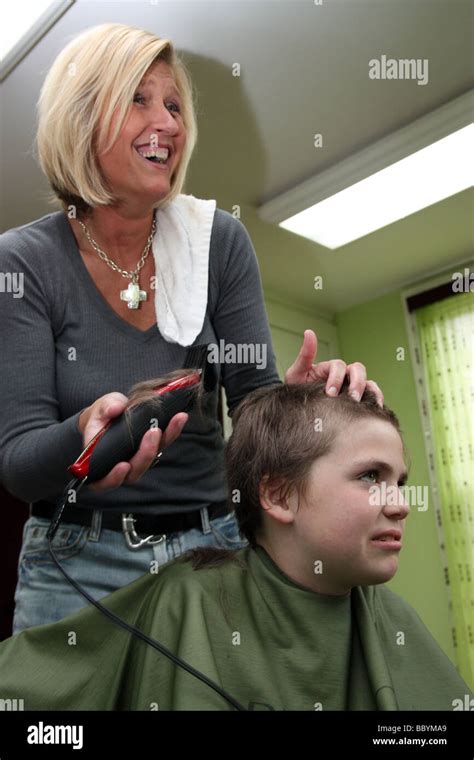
181,252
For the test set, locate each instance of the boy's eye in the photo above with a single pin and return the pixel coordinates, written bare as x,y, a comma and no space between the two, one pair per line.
375,474
369,474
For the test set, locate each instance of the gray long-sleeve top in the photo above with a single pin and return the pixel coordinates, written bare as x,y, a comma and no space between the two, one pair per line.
62,347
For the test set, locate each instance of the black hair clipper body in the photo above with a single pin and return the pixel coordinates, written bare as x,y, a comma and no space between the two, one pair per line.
120,439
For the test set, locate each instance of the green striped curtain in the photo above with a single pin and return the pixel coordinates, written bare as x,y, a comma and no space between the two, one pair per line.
446,336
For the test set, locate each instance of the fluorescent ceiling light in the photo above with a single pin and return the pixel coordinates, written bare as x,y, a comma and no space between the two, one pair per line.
416,166
438,171
23,26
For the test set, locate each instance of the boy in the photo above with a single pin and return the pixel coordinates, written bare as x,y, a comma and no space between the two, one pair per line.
298,620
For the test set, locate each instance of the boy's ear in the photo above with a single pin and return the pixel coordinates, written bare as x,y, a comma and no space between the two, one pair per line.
278,505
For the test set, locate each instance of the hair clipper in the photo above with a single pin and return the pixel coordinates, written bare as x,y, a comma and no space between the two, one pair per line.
120,439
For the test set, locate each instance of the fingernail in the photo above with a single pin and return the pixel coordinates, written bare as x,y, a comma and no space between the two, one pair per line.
355,395
332,391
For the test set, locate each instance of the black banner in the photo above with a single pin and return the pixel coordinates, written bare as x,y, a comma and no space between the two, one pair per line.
84,734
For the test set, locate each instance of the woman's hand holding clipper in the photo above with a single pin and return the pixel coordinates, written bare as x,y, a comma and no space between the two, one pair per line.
105,409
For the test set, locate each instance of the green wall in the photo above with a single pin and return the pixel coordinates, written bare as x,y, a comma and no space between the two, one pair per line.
288,323
371,333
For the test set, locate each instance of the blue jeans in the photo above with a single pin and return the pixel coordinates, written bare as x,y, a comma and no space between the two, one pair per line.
99,560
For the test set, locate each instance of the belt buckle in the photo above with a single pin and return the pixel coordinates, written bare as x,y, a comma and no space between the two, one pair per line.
132,538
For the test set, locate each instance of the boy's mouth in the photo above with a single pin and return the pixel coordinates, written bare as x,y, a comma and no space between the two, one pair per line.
389,540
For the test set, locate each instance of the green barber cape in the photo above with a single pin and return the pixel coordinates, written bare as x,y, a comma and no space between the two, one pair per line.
268,642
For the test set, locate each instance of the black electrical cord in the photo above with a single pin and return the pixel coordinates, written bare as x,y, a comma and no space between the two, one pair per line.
76,484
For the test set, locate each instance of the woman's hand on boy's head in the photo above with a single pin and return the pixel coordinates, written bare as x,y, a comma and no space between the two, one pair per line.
334,371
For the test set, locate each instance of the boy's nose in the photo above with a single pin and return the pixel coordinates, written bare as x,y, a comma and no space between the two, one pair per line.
397,507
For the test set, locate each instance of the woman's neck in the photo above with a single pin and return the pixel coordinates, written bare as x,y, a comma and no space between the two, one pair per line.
121,236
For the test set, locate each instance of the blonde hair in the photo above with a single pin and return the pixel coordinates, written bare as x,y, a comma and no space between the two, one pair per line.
95,74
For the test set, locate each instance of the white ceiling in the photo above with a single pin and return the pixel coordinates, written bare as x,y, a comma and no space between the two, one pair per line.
304,70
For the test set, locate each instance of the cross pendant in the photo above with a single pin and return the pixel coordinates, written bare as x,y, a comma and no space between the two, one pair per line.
133,295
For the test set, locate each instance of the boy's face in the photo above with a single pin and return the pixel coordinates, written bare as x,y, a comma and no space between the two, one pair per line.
341,521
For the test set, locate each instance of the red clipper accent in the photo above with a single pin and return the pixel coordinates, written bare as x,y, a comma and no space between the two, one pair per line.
181,382
80,468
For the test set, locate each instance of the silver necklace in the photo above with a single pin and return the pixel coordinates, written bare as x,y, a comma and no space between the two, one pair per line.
132,295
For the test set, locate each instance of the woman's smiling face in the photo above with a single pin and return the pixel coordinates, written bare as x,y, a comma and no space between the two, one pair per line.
154,120
342,518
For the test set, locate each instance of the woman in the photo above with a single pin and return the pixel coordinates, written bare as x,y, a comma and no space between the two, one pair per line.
115,103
